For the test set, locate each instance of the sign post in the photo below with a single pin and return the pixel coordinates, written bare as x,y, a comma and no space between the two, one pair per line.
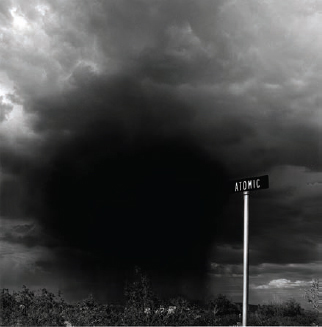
246,185
320,303
245,261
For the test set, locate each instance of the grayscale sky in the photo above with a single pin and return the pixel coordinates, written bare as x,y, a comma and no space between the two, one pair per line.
121,122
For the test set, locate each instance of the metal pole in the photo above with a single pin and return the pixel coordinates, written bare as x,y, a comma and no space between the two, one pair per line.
320,303
245,272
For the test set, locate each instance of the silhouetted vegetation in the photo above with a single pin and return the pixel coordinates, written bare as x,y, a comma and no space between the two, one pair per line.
312,294
142,307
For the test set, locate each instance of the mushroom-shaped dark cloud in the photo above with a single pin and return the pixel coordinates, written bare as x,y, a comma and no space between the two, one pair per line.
126,183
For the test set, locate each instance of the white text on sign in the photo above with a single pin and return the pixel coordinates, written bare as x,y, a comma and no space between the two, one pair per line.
247,185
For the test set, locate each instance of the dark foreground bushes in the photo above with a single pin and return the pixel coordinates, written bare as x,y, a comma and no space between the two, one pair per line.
142,308
27,308
288,313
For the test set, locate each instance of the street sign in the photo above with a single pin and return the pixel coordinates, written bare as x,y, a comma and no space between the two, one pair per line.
245,185
249,184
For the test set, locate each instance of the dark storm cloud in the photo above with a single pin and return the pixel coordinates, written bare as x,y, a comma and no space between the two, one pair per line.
127,184
211,54
291,270
22,234
125,180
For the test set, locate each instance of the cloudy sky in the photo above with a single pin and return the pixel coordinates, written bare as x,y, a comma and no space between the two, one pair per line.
121,123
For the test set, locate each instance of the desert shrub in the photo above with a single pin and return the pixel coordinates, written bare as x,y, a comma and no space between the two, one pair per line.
269,310
184,314
140,304
302,320
312,294
223,306
291,308
45,309
91,313
8,306
142,308
224,312
288,313
31,309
